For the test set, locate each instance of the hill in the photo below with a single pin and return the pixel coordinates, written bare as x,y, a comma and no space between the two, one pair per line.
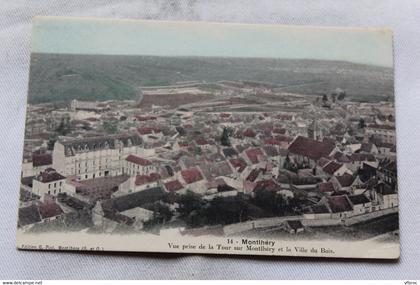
62,77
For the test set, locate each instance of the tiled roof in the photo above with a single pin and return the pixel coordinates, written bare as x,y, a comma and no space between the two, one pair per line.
253,175
326,187
49,175
49,210
191,175
73,146
332,167
254,154
130,201
358,199
174,185
339,204
267,185
238,163
249,133
323,161
41,159
145,179
270,150
310,148
138,160
345,180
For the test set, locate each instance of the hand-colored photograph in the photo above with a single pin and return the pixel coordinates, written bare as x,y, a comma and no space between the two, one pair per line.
184,137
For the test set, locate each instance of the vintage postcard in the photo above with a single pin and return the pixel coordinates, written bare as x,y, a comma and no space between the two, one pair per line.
209,138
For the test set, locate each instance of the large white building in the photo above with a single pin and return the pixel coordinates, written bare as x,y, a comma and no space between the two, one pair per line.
89,158
48,182
385,133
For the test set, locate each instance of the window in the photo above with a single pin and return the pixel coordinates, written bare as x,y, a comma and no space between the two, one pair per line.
55,191
61,183
55,184
49,186
49,192
86,176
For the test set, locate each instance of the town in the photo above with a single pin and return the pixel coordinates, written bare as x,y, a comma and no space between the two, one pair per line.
208,158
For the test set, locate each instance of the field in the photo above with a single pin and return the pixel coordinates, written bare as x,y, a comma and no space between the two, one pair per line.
56,78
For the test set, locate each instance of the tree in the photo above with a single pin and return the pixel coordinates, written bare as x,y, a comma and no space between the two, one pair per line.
224,140
324,98
333,97
362,124
50,143
64,127
181,131
341,96
289,165
110,128
198,151
189,203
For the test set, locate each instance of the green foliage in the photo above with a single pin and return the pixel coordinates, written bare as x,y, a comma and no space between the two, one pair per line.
362,123
198,151
189,202
59,77
271,202
63,128
224,140
110,127
182,132
289,164
50,143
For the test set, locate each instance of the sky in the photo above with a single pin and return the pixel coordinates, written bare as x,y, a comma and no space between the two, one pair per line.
166,38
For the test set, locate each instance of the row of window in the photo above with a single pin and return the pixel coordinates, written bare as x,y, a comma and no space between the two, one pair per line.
55,191
55,184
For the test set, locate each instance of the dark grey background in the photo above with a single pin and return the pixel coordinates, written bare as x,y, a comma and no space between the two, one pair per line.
15,26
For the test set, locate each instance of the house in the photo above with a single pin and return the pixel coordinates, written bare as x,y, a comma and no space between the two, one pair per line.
254,155
191,175
249,133
335,169
238,164
48,182
213,170
386,195
309,151
40,162
387,172
193,179
253,175
318,212
340,206
173,186
361,204
326,187
135,165
368,148
94,156
343,182
111,211
50,210
138,183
